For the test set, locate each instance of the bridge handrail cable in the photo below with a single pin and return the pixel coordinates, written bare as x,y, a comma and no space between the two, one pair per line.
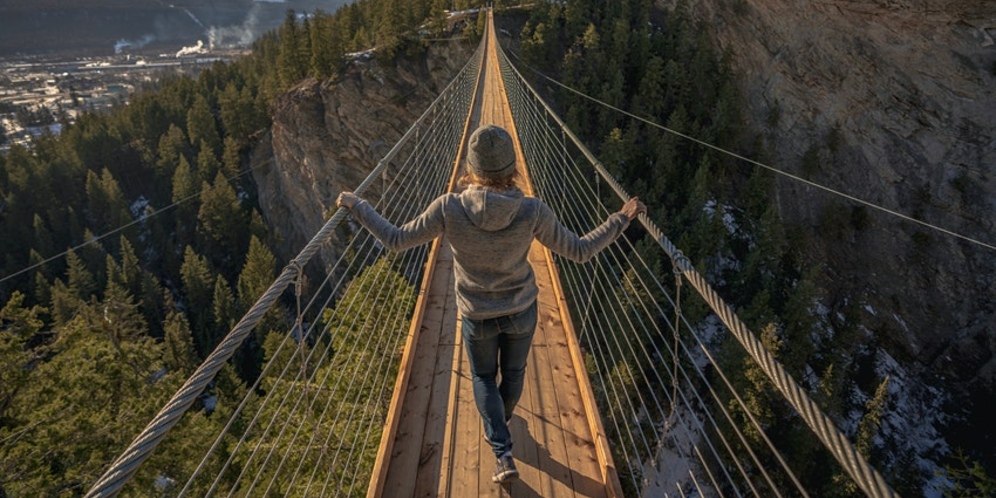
866,477
124,467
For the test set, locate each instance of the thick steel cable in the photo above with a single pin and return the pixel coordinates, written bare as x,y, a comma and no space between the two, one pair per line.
280,347
312,439
770,445
418,188
275,388
591,283
755,423
864,475
142,446
405,172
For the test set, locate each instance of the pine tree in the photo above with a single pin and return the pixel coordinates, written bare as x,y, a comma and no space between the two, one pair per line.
292,63
389,29
186,196
208,165
82,284
131,269
224,308
43,237
222,223
178,346
326,49
107,208
201,125
872,419
231,159
18,325
257,275
198,290
237,112
438,17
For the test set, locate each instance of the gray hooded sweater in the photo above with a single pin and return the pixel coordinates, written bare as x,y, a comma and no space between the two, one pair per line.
490,233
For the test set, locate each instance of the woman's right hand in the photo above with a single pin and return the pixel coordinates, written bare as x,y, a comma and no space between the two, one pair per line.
633,208
347,200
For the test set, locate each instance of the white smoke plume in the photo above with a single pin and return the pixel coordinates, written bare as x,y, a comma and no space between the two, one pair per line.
132,44
192,50
237,35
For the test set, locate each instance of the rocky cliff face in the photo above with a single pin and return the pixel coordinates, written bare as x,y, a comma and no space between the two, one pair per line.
328,135
896,99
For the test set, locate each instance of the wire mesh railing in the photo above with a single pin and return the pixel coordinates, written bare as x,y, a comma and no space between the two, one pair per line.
310,424
677,419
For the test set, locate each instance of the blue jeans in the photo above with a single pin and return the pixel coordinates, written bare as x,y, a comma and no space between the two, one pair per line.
493,345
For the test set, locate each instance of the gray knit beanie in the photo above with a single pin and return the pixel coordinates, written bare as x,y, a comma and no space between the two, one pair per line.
491,153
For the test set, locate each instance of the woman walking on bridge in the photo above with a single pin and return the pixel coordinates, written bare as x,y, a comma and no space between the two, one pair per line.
490,227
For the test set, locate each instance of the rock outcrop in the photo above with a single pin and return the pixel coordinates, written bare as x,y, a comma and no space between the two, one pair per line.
328,135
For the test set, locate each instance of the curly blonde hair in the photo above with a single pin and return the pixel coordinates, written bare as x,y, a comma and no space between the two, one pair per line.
509,182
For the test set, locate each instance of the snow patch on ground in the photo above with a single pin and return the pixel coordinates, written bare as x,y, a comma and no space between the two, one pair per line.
708,332
729,220
210,402
914,411
671,473
137,208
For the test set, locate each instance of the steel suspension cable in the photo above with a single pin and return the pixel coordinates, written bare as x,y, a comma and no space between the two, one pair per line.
141,448
867,478
759,428
329,275
592,284
321,417
388,213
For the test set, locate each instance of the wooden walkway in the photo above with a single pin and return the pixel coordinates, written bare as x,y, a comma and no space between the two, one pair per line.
433,442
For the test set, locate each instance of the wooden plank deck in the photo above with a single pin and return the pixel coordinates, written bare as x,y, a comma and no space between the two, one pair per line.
434,441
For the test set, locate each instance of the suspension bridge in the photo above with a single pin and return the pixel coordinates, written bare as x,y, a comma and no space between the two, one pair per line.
369,393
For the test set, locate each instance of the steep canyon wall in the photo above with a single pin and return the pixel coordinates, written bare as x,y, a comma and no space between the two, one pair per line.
328,135
897,101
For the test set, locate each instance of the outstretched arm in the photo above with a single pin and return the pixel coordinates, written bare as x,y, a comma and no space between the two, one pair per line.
561,240
426,227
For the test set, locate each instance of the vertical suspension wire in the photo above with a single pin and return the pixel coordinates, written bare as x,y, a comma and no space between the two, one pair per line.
517,107
122,470
279,379
403,265
569,169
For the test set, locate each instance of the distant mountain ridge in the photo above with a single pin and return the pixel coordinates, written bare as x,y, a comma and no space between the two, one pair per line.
98,27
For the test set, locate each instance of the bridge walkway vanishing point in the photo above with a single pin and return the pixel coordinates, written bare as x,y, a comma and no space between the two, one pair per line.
433,444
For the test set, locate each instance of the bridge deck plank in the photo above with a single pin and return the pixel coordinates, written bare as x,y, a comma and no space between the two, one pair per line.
554,447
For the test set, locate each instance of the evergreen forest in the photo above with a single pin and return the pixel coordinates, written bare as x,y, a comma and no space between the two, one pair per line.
132,242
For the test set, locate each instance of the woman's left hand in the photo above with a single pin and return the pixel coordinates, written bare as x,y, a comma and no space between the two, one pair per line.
347,200
633,208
